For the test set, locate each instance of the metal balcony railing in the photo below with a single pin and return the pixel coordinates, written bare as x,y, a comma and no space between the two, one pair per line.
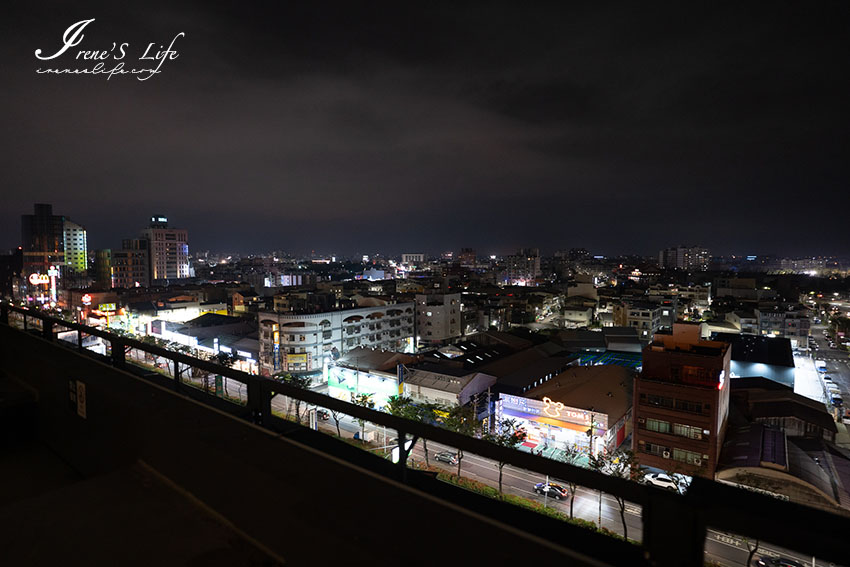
674,526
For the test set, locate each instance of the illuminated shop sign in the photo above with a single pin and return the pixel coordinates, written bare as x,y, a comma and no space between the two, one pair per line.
39,279
555,410
86,299
106,307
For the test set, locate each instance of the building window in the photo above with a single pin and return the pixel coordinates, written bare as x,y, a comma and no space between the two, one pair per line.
658,425
660,401
688,457
685,405
687,431
655,449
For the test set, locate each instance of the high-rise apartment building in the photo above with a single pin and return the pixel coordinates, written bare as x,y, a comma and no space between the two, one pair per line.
42,240
103,268
467,257
681,402
76,248
131,264
168,249
413,259
522,267
693,258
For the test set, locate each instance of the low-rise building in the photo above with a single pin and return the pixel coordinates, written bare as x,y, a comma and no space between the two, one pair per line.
305,342
438,318
643,316
586,407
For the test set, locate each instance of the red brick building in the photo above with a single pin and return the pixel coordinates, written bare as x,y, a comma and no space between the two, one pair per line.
681,402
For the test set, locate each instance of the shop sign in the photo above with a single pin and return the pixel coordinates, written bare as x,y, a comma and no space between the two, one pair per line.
39,279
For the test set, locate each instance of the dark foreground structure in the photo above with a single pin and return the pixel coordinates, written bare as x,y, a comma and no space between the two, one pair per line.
104,462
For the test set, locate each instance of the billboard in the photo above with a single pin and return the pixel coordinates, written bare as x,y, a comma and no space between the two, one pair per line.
547,408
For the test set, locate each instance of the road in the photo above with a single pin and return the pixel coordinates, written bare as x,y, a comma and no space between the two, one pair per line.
724,548
837,361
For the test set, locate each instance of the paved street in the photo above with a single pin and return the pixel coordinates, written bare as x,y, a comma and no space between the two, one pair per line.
837,361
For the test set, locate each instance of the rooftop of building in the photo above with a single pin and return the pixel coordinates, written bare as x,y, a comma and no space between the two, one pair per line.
772,459
212,320
604,388
363,358
754,348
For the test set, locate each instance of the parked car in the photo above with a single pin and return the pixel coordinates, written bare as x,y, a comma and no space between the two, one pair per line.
661,480
446,457
767,561
323,414
552,490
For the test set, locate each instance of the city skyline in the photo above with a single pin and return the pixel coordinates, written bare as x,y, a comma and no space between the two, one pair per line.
336,126
354,253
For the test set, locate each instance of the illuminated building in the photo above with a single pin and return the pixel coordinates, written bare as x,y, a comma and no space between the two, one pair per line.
42,240
307,341
168,249
413,259
438,318
643,316
684,258
131,264
76,247
103,268
367,371
522,267
682,402
558,413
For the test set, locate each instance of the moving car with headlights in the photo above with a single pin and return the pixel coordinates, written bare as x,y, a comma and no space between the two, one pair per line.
552,490
768,561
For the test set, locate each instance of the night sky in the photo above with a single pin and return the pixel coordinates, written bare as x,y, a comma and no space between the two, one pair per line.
355,128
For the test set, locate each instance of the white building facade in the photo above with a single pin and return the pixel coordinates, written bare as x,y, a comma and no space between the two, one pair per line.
168,250
438,318
309,342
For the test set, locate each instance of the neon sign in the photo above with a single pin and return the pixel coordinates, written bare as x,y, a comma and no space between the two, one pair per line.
557,409
548,405
39,279
86,299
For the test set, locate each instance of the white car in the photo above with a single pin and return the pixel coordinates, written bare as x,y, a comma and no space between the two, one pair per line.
661,480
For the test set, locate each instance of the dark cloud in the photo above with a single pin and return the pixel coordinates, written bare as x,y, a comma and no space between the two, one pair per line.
350,127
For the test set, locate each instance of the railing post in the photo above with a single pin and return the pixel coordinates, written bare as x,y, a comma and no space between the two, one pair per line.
402,455
4,314
259,401
79,340
118,354
677,543
177,380
47,329
26,328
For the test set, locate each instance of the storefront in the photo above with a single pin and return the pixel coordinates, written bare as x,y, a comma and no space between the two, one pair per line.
345,383
551,424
